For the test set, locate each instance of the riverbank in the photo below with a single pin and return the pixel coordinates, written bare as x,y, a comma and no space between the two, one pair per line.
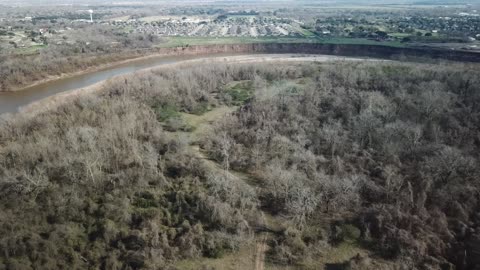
82,72
56,100
351,50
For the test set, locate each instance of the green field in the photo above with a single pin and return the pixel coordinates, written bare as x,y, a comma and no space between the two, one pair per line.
30,50
305,32
360,41
400,35
187,41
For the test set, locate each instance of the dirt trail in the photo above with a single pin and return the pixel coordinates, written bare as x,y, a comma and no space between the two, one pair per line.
261,249
202,124
254,256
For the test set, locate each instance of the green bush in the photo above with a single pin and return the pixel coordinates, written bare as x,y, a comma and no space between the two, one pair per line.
145,200
349,233
166,112
240,92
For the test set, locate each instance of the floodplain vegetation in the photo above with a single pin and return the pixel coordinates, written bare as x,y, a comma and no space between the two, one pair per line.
315,159
86,50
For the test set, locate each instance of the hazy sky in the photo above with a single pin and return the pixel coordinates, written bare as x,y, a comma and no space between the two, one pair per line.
96,2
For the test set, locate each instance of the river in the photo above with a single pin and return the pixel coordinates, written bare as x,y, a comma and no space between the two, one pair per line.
11,102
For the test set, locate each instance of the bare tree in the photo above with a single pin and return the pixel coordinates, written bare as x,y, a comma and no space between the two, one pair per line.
226,144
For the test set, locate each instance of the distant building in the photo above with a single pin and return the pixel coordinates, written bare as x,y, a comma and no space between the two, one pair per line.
28,19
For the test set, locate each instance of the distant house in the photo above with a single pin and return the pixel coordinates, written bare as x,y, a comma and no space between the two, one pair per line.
28,19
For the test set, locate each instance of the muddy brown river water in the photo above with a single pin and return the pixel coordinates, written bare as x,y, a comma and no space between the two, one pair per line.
11,102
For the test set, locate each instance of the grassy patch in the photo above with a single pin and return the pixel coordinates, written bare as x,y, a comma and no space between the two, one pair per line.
201,108
30,50
171,118
200,124
360,41
349,233
400,35
121,18
177,123
340,253
395,70
305,32
343,252
242,259
190,41
186,41
166,112
240,92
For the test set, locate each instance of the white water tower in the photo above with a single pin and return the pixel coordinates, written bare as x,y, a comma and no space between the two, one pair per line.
91,15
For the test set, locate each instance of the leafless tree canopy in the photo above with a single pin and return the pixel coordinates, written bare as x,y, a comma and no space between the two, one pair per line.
387,149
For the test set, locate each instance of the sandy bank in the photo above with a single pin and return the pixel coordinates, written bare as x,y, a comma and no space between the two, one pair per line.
54,101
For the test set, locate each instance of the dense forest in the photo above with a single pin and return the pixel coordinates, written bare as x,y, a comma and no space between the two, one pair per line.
380,158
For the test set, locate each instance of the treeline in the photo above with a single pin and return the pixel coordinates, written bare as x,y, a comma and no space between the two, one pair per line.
24,70
381,154
85,47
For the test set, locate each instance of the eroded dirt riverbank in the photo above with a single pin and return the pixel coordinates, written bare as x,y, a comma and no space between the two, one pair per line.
37,101
12,101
